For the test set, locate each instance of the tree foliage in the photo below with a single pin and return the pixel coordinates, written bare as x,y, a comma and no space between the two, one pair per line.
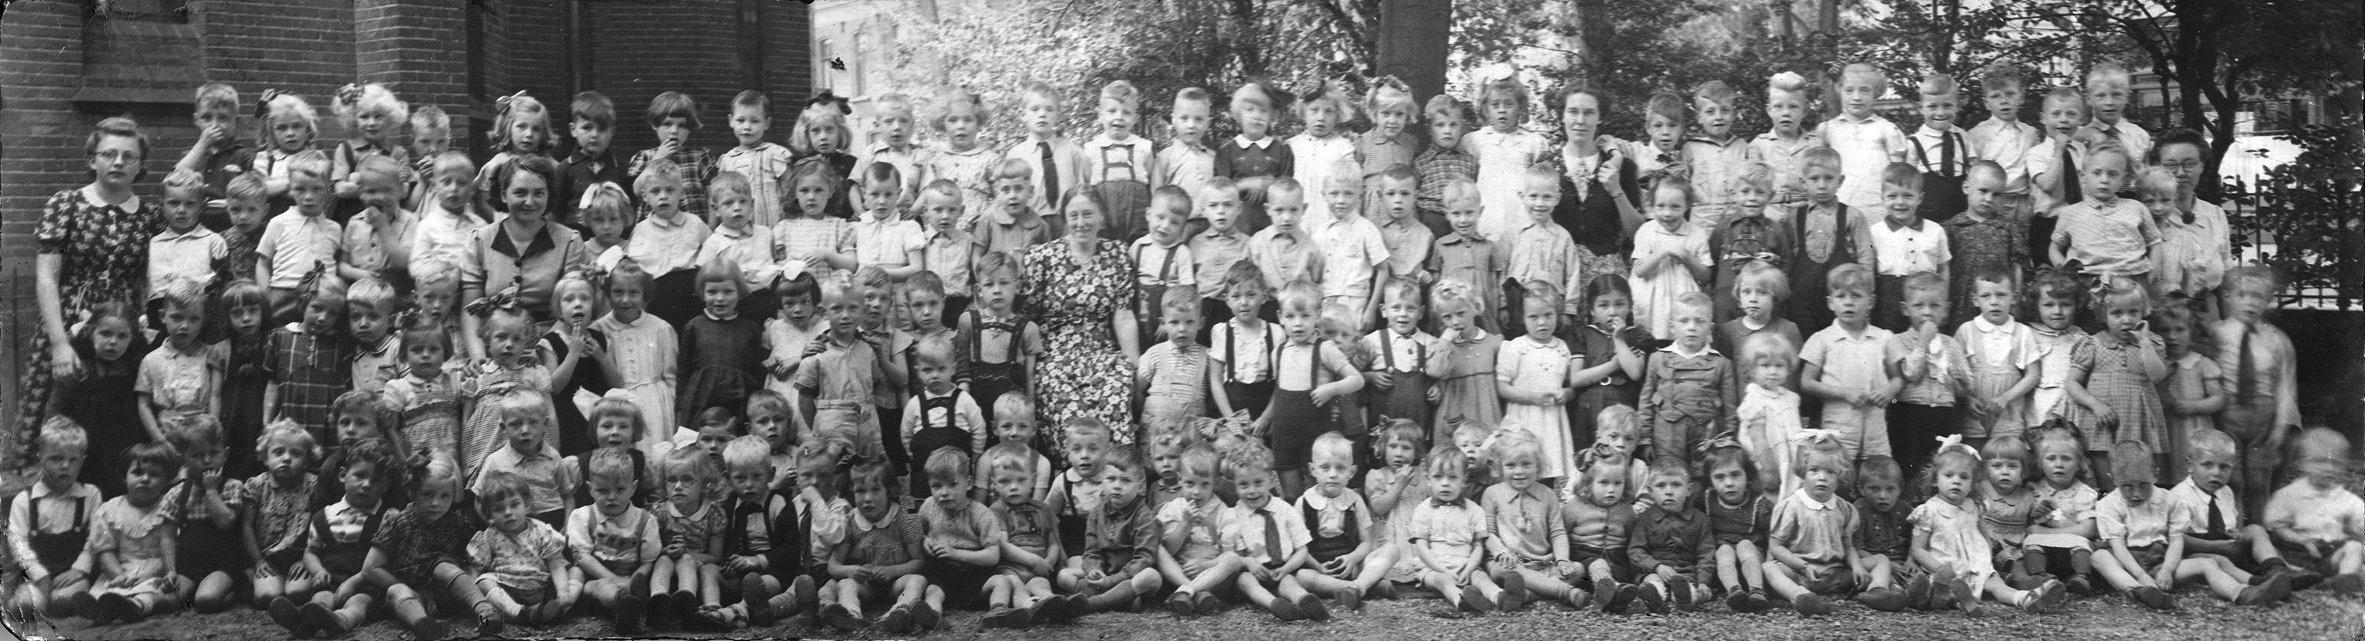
2313,211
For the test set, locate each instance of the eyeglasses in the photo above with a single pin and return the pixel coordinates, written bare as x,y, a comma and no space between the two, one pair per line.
117,155
2181,165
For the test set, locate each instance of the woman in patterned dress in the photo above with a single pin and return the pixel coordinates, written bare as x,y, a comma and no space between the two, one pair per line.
1081,289
93,248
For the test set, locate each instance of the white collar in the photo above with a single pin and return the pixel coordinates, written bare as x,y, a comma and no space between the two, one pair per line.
194,233
1810,501
1314,499
1704,349
90,193
78,491
1985,327
1242,140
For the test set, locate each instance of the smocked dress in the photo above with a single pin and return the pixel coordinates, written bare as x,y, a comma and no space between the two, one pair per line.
1955,541
136,536
1466,385
2119,382
2068,355
1082,371
1535,366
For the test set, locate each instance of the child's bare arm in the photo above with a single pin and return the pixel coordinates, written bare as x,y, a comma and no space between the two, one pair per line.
148,417
1810,380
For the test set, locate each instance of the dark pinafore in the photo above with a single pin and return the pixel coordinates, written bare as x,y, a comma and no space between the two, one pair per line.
1147,310
1942,190
1409,398
58,550
1248,397
989,381
1808,273
931,436
1296,420
1321,548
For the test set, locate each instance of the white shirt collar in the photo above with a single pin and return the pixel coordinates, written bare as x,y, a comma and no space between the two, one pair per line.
1985,327
91,193
1810,501
1315,499
1242,140
1704,349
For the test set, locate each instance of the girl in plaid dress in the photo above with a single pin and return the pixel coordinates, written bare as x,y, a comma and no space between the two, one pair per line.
2129,362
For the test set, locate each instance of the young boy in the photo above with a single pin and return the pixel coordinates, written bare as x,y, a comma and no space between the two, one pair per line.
2107,94
2261,368
2217,527
836,384
2107,234
1121,165
1934,368
761,541
1269,538
1054,162
948,251
673,117
1850,367
2004,140
1014,224
49,522
220,154
1444,161
1447,533
964,538
549,480
1689,390
880,558
183,376
298,239
1161,259
1902,243
1463,254
1186,161
1542,250
1398,376
1216,247
1811,550
378,240
615,544
338,551
1408,241
243,199
426,550
1021,585
1987,236
940,416
1285,251
1717,157
1866,142
665,244
1785,146
1747,236
1884,531
1171,384
1939,149
525,567
1759,294
591,161
824,516
892,143
1354,255
764,163
1254,159
1191,555
1672,543
2053,165
371,306
1828,236
2316,519
1112,570
2143,546
1527,544
1346,559
186,249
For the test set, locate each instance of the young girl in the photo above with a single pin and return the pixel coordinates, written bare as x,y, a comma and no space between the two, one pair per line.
1394,488
999,343
243,307
1319,149
425,552
722,352
1598,517
1241,347
796,327
508,366
1531,376
2061,540
521,128
960,155
809,234
205,507
686,580
1504,152
524,559
1309,373
2129,363
1740,511
104,396
1950,542
1613,351
183,376
372,114
1769,410
2194,390
602,212
1529,546
276,509
427,396
1671,257
642,354
2068,352
2008,504
571,351
1464,364
310,360
738,240
132,542
820,140
289,125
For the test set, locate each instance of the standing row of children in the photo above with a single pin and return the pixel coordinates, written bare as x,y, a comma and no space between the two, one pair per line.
1647,385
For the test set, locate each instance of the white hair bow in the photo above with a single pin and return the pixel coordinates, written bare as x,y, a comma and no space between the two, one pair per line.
1956,441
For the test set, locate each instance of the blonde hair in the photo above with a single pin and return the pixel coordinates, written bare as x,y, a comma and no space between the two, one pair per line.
286,105
748,454
355,100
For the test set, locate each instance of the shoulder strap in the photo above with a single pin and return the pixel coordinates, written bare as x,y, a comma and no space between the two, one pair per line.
1166,269
1231,351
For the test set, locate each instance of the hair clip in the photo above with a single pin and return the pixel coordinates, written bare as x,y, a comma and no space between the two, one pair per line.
263,105
349,95
599,188
1728,438
824,97
1953,441
1811,435
501,104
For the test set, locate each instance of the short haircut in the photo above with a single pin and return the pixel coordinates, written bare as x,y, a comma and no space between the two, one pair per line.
1863,71
538,165
1445,107
1821,158
289,433
1508,87
1666,105
1124,458
612,465
942,188
311,164
1541,292
692,461
1514,445
1123,92
2095,155
378,294
1878,468
1756,174
1252,94
2065,96
2179,136
2130,461
1170,200
1925,283
721,271
216,96
1013,169
367,404
803,286
883,173
1084,428
752,99
2000,75
1763,276
1285,185
1715,91
1448,461
2155,181
1009,458
596,108
924,282
1038,89
934,350
1902,174
730,182
620,407
1460,191
1697,301
193,432
1407,290
1679,185
1181,299
1245,274
379,454
183,294
455,163
1249,458
248,187
2107,71
1787,83
186,181
529,404
1618,418
957,98
1851,278
1331,446
748,454
1193,94
672,104
950,465
1199,461
1938,84
2253,276
1763,346
1988,167
992,264
1014,406
1301,296
2012,447
59,433
502,486
430,118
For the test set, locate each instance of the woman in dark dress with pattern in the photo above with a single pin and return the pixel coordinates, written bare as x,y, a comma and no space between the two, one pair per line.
1599,197
93,248
1081,289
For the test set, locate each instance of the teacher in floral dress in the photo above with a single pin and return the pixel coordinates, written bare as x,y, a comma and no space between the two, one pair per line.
1080,288
92,248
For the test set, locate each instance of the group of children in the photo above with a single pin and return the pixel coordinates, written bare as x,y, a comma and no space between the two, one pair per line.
712,416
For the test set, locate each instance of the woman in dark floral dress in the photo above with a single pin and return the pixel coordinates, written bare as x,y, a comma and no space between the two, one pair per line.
1081,289
93,248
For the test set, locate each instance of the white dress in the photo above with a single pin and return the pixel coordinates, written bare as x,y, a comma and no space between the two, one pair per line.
1503,159
1955,541
1654,295
1531,366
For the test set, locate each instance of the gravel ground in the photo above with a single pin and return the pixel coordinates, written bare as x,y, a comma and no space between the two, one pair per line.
2309,616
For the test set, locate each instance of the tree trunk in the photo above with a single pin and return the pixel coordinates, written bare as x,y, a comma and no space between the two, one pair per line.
1243,15
1413,42
1827,16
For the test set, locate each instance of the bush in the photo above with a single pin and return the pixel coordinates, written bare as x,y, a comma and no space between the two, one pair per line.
2313,212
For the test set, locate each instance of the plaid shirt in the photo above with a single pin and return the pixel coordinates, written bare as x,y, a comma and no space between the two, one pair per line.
697,168
1437,165
311,370
414,544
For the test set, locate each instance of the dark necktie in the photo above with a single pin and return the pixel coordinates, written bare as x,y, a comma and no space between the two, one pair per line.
1050,174
1946,154
1272,537
2070,192
2216,520
2245,383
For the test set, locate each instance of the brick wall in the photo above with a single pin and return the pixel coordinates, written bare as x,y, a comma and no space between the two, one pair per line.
421,49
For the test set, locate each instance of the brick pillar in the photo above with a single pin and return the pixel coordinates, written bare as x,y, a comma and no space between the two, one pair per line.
419,50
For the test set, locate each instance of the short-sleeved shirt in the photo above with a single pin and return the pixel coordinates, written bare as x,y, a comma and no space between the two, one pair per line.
1902,250
973,527
2329,515
1025,229
884,243
519,560
662,247
2007,143
365,246
2141,524
1186,165
1045,158
1204,541
2111,240
1864,146
550,478
2071,505
884,541
766,167
626,539
1818,532
495,261
441,235
946,255
134,534
1850,361
1163,265
195,255
1449,529
1315,159
1214,253
1352,251
749,248
1245,531
1545,252
178,382
2198,504
1029,525
1788,160
1284,258
846,373
294,244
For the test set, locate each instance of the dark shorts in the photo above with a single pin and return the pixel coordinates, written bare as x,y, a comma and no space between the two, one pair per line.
2150,556
964,584
1839,580
531,596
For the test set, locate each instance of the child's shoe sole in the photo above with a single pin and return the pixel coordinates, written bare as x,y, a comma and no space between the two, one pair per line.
1312,607
285,613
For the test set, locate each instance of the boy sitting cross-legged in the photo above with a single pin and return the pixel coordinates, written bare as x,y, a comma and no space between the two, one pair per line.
1191,555
1270,539
1811,551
